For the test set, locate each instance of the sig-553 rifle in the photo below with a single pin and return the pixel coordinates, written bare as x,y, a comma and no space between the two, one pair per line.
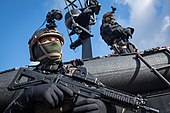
82,84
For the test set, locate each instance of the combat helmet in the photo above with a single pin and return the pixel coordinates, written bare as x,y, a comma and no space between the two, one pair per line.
108,17
38,51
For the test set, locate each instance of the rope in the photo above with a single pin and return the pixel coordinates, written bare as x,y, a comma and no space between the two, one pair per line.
80,4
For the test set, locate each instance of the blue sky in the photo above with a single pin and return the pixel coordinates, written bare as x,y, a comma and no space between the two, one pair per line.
20,18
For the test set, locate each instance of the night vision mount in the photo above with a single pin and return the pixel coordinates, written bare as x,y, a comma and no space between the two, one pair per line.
51,17
113,9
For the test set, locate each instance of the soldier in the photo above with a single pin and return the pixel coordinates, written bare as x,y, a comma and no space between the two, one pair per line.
45,47
115,35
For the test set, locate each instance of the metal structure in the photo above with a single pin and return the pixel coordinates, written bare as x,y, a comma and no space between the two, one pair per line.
147,73
126,72
79,20
156,71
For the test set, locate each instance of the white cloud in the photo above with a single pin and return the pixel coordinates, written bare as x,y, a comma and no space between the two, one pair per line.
151,20
166,23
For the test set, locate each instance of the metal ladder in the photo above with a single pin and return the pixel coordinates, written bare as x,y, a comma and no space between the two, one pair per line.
156,70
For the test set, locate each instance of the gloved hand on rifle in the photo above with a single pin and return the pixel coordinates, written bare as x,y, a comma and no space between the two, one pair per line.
129,31
50,94
89,106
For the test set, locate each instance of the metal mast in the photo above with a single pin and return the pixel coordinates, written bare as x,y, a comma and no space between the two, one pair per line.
78,19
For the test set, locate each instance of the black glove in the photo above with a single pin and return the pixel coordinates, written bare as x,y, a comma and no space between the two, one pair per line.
89,106
50,94
129,31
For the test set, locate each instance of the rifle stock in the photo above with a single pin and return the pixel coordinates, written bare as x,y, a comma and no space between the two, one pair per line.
82,84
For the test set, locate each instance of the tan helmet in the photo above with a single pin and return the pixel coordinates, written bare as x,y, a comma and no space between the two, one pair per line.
34,43
108,17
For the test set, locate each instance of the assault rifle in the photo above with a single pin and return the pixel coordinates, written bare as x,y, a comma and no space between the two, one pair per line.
82,84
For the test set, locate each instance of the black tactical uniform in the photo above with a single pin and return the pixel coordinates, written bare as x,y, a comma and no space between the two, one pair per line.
115,35
45,47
